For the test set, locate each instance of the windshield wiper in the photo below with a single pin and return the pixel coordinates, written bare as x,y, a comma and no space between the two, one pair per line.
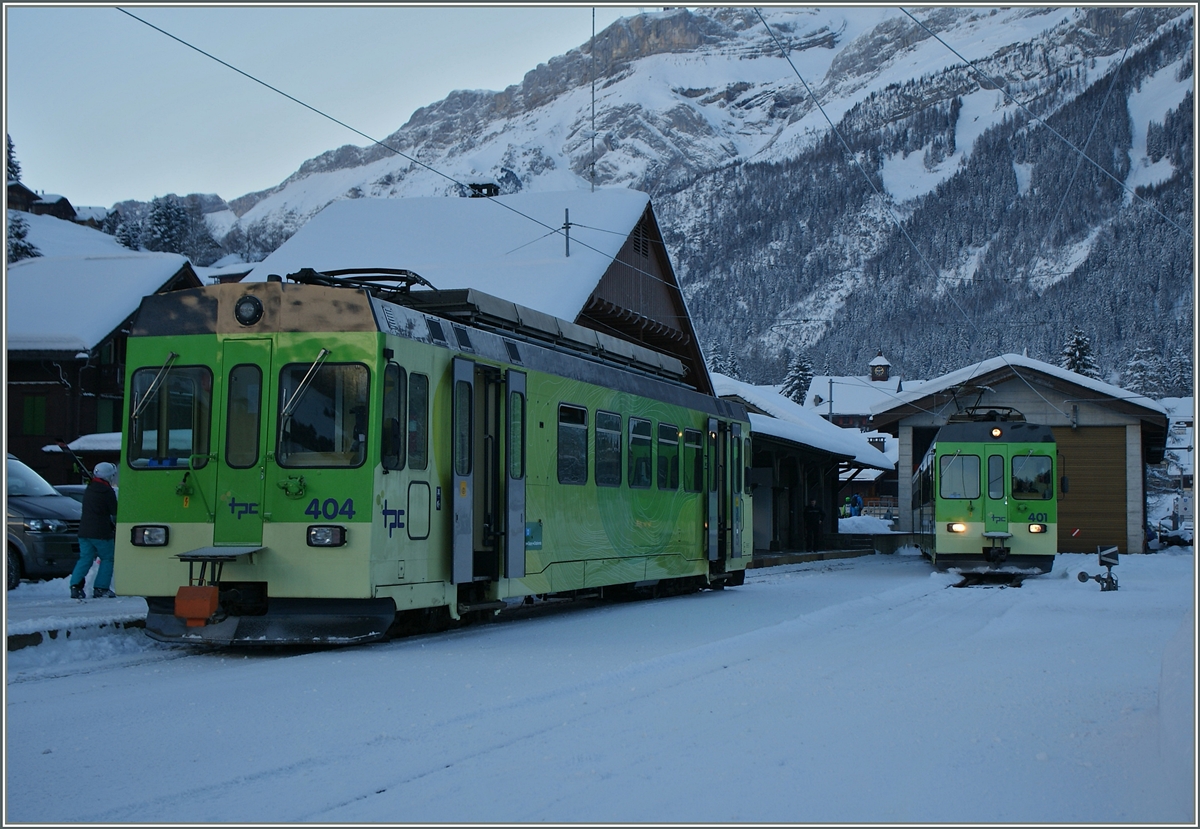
154,385
304,384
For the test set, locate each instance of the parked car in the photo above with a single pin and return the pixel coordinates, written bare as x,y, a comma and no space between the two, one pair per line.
72,490
43,527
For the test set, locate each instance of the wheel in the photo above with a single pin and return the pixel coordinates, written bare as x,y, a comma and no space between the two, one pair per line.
14,568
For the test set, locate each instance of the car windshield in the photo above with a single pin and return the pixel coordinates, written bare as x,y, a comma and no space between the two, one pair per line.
24,481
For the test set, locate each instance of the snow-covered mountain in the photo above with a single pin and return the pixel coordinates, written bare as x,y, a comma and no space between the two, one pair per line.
949,218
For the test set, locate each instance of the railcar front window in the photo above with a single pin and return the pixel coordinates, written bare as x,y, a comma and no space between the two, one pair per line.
327,425
959,476
172,425
1032,478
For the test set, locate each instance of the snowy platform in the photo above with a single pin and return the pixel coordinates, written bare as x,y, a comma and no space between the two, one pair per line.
37,611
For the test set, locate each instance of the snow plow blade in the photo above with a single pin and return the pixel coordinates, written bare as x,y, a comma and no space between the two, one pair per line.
286,622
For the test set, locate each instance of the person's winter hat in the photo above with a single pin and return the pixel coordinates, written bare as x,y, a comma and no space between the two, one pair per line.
105,471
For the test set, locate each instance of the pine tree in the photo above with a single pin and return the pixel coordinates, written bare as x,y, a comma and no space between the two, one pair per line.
14,167
1145,373
716,364
732,367
799,378
19,247
129,234
166,227
1076,355
1181,373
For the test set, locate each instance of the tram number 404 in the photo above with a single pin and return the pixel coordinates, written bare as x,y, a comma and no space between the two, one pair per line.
329,509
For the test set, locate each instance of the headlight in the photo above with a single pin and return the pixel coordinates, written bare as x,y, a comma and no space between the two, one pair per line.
326,535
956,527
45,525
248,310
1038,528
149,536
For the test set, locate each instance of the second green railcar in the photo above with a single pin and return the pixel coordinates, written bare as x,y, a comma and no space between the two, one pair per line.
985,497
314,462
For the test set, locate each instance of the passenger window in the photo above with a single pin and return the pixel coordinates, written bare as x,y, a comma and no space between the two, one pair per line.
1032,478
391,439
668,456
572,444
463,427
418,421
640,451
608,449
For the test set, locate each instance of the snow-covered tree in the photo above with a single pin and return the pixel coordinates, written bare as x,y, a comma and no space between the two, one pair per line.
14,167
128,233
716,363
1181,373
799,378
732,367
1076,355
1145,373
19,247
166,227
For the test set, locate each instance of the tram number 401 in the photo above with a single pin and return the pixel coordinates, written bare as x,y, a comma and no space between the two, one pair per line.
1034,516
329,509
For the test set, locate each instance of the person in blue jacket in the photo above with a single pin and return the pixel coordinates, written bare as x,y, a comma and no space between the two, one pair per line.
97,533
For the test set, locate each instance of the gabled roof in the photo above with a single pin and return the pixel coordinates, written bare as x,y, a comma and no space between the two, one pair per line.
505,246
855,394
780,417
72,303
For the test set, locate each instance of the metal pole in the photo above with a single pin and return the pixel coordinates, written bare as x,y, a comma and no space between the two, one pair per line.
567,229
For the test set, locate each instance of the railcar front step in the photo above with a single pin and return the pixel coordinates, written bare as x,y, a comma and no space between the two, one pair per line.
475,606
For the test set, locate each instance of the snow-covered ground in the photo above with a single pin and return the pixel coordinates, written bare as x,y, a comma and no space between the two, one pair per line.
859,690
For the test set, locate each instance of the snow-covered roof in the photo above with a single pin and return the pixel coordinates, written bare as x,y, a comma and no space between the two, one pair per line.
879,360
506,246
86,212
60,303
98,442
790,421
891,450
1014,361
855,394
231,265
58,237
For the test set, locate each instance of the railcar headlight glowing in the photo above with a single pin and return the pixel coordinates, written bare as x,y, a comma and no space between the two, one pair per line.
1038,528
996,432
248,310
326,535
956,527
149,536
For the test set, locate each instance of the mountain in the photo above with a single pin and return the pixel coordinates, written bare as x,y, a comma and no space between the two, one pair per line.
996,176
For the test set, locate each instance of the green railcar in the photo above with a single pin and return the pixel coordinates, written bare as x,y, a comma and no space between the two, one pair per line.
311,461
985,497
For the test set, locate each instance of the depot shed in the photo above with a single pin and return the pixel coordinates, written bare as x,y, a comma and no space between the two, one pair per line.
1106,436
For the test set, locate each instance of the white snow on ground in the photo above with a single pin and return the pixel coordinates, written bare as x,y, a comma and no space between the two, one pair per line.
860,690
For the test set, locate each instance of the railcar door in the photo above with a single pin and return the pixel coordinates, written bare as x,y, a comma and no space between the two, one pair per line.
735,490
478,516
514,453
995,499
241,468
712,513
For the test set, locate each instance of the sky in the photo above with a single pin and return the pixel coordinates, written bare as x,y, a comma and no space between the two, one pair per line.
103,108
864,690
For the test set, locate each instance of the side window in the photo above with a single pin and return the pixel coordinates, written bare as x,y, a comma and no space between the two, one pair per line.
995,476
608,449
516,435
693,461
322,415
736,464
170,422
572,444
640,451
242,419
418,421
391,438
668,456
958,476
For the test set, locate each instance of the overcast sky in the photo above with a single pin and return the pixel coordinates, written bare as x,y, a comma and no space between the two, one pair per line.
101,107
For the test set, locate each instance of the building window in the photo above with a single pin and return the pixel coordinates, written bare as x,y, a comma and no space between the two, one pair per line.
34,419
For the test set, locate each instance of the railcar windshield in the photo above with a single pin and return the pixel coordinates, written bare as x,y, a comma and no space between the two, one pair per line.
171,419
1032,478
327,426
958,476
